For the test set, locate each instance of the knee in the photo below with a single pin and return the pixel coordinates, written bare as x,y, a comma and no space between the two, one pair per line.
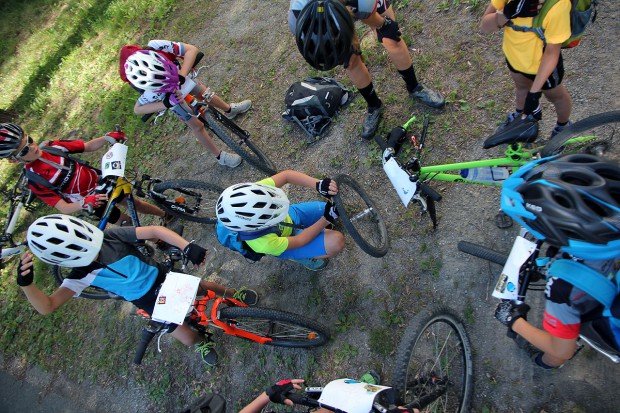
334,242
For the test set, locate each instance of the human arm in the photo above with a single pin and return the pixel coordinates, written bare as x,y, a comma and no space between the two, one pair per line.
69,208
276,391
148,108
307,235
300,179
493,20
189,57
43,303
548,343
195,253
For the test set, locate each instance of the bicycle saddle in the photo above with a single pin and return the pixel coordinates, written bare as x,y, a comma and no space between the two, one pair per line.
520,130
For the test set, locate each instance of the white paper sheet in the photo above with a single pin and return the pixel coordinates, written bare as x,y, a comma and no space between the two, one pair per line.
113,162
350,395
175,297
508,284
400,180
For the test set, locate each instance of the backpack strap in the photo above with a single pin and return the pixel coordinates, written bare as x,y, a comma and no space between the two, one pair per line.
250,235
538,20
63,154
586,279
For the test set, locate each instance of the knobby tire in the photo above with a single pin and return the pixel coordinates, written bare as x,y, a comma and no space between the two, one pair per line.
286,329
482,252
360,216
243,146
433,348
204,204
604,129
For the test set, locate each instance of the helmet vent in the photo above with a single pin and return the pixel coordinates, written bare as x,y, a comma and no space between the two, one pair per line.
260,205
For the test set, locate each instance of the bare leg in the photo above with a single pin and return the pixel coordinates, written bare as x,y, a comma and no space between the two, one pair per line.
561,100
202,136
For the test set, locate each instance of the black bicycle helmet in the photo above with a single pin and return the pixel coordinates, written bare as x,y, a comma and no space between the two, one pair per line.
324,33
11,137
572,202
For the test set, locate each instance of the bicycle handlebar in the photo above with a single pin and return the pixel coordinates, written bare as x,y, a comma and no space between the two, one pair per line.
147,336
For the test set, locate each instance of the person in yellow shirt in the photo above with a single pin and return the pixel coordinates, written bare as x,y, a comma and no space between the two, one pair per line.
535,68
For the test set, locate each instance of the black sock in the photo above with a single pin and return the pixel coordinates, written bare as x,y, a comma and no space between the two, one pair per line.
370,96
539,361
218,157
408,76
562,123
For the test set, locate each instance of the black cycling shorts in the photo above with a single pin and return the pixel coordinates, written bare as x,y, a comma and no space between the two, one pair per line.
554,80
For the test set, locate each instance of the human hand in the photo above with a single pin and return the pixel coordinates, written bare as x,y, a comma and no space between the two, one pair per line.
171,99
91,202
278,392
389,30
532,105
508,311
522,8
25,270
195,253
327,187
330,214
118,136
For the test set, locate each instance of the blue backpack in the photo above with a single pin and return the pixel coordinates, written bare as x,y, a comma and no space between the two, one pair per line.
606,291
236,240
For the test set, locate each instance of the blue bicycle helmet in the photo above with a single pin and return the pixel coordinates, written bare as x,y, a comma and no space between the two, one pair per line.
572,202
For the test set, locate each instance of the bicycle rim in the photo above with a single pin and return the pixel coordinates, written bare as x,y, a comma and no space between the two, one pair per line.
361,217
598,135
188,200
241,144
435,350
284,329
93,293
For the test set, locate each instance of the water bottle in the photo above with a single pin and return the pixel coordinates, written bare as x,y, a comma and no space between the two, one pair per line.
485,174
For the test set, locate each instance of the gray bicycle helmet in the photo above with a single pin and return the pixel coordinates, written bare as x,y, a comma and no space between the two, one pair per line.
324,33
571,202
251,207
64,240
11,137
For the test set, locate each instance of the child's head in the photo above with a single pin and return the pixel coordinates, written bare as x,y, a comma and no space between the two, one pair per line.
11,140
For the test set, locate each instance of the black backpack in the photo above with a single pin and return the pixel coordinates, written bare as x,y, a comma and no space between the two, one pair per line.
211,403
313,102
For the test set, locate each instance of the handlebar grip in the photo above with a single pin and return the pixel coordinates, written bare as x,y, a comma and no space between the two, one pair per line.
198,58
427,190
146,117
397,136
147,336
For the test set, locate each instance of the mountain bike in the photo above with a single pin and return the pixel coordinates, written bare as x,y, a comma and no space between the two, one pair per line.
595,134
229,132
433,372
532,276
360,216
16,199
260,325
186,199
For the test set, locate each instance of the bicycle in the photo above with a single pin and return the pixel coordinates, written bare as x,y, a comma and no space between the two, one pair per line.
360,217
17,198
235,318
594,134
229,132
433,372
186,199
530,275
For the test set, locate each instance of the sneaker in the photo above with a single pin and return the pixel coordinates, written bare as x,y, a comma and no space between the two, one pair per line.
237,108
428,97
232,160
559,128
313,264
509,119
246,296
207,352
371,377
371,122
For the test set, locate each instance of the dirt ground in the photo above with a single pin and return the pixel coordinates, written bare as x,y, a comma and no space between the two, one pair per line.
367,301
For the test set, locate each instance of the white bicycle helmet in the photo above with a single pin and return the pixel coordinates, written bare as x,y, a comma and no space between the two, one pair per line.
149,70
64,240
251,207
11,137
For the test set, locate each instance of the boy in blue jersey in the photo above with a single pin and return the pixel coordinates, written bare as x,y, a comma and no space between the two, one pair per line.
110,260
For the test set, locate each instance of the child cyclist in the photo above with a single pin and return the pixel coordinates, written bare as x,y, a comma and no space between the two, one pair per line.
572,204
110,260
262,216
61,181
152,71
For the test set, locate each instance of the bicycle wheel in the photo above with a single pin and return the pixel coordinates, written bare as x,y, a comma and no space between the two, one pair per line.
482,252
360,217
434,364
93,293
189,200
285,329
596,134
242,144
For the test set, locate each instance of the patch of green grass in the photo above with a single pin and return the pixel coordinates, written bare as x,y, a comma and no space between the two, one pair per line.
345,321
431,265
381,341
345,352
468,314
